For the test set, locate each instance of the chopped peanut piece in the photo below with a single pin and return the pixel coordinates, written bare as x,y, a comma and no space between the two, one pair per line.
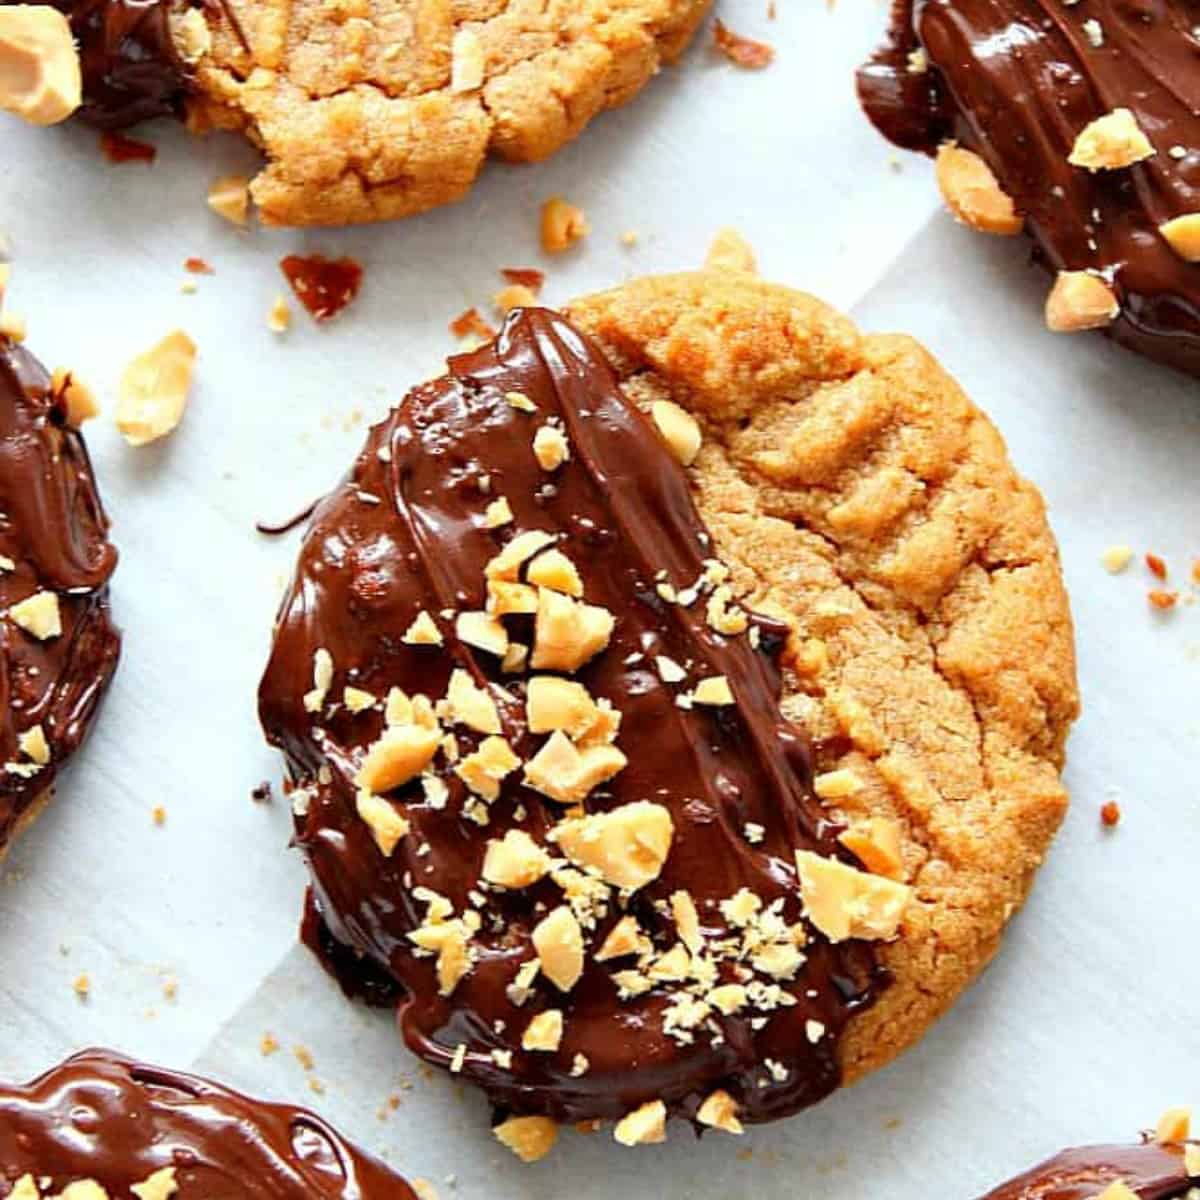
279,315
1111,142
544,1032
730,251
1117,1191
1080,300
553,703
728,998
843,902
515,861
79,399
567,632
520,401
483,631
529,1138
229,197
498,513
154,389
322,680
515,295
719,1111
554,570
33,744
160,1185
1173,1126
470,705
624,938
1116,558
505,598
485,770
401,753
453,960
558,941
876,843
356,700
466,62
972,194
563,225
1191,1160
644,1126
40,77
627,846
386,824
687,920
507,564
550,447
38,615
679,429
1182,234
422,632
713,691
833,785
25,1189
567,773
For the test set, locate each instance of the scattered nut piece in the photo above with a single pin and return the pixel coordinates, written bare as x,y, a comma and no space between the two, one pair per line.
1163,601
567,773
833,785
40,77
554,570
32,743
644,1126
876,843
466,62
1191,1160
1118,1191
520,402
563,225
554,703
687,920
714,691
483,631
81,985
507,564
550,447
626,846
1110,814
229,197
160,1185
422,632
1182,234
322,680
356,700
515,295
529,1138
558,940
1116,558
154,389
623,939
486,769
506,598
401,753
1080,300
470,705
279,315
719,1111
1173,1126
498,513
78,398
741,51
515,861
730,251
972,193
386,824
843,902
544,1033
1111,142
567,633
679,430
38,615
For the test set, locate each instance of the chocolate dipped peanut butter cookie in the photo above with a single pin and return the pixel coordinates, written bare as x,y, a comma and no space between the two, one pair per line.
104,1127
1078,123
673,697
366,111
58,645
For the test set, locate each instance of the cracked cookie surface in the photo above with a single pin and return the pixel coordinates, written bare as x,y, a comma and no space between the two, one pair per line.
370,110
854,489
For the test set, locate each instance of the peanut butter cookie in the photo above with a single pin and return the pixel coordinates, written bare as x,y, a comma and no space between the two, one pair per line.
368,110
674,698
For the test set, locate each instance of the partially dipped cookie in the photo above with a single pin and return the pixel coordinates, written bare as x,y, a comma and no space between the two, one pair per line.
58,645
1079,124
368,112
1165,1167
660,738
105,1127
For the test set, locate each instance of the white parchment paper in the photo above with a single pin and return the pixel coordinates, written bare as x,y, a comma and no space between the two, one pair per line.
1085,1027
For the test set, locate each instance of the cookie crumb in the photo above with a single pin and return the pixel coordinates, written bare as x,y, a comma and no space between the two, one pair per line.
529,277
562,225
159,814
279,316
1116,558
1156,566
1110,814
741,51
1162,601
81,985
268,1044
469,323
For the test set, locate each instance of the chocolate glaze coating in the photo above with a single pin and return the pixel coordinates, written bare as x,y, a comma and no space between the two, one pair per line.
623,507
54,530
105,1117
1151,1171
1016,81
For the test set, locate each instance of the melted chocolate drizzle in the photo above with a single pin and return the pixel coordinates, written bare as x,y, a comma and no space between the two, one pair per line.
1150,1171
104,1117
1016,81
405,533
54,530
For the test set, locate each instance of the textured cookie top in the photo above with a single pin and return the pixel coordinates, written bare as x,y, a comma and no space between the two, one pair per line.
58,646
1144,1172
369,110
101,1125
1089,117
697,748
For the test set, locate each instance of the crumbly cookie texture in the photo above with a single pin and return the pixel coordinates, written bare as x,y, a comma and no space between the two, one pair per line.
855,490
369,110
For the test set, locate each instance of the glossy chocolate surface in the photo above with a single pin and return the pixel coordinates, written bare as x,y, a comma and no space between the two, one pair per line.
104,1117
53,531
1152,1172
405,533
1016,81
